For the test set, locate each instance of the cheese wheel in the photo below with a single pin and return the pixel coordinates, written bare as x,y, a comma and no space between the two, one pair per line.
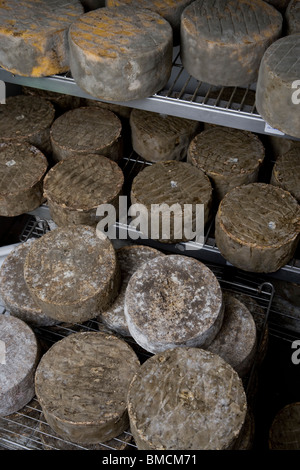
61,102
135,59
14,291
292,17
79,275
278,146
192,391
164,187
229,157
81,383
286,172
277,92
34,36
130,258
76,186
284,429
223,44
27,118
289,291
22,170
86,130
158,137
257,227
173,301
237,339
19,358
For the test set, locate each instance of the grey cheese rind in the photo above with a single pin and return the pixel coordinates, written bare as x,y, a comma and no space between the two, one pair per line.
292,17
19,358
82,382
72,273
133,62
284,429
223,43
286,172
192,392
173,301
277,98
257,227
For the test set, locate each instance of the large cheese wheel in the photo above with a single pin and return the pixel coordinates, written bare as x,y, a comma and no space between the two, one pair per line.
186,399
86,130
286,172
135,59
158,137
81,383
78,276
173,301
22,170
292,17
18,361
222,43
164,187
76,186
277,92
258,227
229,157
284,430
34,35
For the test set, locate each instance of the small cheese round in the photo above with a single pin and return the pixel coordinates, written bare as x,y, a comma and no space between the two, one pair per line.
22,170
284,431
257,227
72,273
277,91
19,356
173,301
81,383
229,157
292,17
122,53
222,43
158,137
34,36
86,130
286,172
186,399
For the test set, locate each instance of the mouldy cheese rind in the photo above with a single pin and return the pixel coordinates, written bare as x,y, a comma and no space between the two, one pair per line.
292,17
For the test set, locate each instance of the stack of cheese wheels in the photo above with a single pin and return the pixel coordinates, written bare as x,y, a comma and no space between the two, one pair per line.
72,273
22,170
186,399
158,137
81,384
174,190
277,92
27,118
173,301
14,291
257,227
286,172
34,35
133,62
170,11
284,430
86,130
237,339
19,356
76,186
130,258
229,157
292,17
222,43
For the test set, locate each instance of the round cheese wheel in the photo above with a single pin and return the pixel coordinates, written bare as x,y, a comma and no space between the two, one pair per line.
72,273
257,227
61,102
34,36
22,170
130,258
19,356
223,44
229,157
278,146
81,383
277,91
158,137
292,17
76,186
284,430
133,62
186,399
87,130
173,301
286,172
169,189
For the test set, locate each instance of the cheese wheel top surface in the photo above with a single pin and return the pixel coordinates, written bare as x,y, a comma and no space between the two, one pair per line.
21,167
284,430
281,59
